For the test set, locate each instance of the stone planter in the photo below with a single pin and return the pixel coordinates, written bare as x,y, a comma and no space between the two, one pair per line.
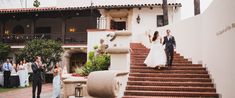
70,84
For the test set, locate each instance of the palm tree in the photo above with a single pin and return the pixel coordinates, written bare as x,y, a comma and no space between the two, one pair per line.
196,7
165,12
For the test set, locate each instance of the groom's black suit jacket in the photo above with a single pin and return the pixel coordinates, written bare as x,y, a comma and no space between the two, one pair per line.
170,44
37,72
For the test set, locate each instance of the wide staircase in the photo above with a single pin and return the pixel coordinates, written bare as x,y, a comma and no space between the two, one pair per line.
183,80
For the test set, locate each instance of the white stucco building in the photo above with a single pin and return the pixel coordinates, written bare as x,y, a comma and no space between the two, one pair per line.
206,39
71,21
187,9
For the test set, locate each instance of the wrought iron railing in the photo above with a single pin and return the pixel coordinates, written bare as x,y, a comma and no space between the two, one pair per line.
75,38
101,23
20,39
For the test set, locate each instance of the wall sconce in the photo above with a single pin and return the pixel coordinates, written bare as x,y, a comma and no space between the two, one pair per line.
7,32
27,25
72,30
138,19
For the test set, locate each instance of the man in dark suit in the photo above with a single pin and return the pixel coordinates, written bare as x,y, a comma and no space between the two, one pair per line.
37,68
7,67
169,42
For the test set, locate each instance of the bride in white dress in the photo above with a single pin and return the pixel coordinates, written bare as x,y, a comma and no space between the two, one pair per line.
56,81
156,57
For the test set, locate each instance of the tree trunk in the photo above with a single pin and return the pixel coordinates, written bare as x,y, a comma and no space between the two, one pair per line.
165,12
196,7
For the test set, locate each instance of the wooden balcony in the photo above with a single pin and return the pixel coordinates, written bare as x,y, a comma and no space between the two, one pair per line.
20,39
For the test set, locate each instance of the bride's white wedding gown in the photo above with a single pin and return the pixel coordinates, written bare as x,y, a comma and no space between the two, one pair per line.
56,86
156,56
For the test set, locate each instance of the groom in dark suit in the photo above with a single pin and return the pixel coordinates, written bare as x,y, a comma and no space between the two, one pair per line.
169,42
37,68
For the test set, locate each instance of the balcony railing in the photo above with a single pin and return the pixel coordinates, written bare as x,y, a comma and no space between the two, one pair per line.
101,23
71,38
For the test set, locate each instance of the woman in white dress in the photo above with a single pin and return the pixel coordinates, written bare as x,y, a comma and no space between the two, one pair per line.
156,57
21,73
26,72
56,81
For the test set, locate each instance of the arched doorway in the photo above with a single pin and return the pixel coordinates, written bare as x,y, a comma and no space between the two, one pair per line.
77,59
18,29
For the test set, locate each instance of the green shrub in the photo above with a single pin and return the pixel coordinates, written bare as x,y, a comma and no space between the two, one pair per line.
102,62
49,50
91,55
95,47
95,63
79,71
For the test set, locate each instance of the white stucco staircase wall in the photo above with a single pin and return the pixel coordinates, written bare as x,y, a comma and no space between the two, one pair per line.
209,39
118,48
120,54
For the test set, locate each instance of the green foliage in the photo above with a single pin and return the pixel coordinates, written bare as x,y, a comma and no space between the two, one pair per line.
91,55
95,47
95,63
4,51
49,50
102,62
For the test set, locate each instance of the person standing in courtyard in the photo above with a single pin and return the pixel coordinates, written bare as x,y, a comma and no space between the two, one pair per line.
56,81
26,72
21,74
37,68
7,67
170,45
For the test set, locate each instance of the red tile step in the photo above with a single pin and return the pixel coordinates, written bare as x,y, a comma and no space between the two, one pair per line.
162,83
170,88
169,71
180,65
172,93
155,97
172,68
169,79
169,75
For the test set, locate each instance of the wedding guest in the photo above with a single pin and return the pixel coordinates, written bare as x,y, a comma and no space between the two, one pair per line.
21,73
14,68
7,68
26,72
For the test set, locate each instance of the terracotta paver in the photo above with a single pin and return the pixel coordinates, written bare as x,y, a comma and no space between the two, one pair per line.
27,92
